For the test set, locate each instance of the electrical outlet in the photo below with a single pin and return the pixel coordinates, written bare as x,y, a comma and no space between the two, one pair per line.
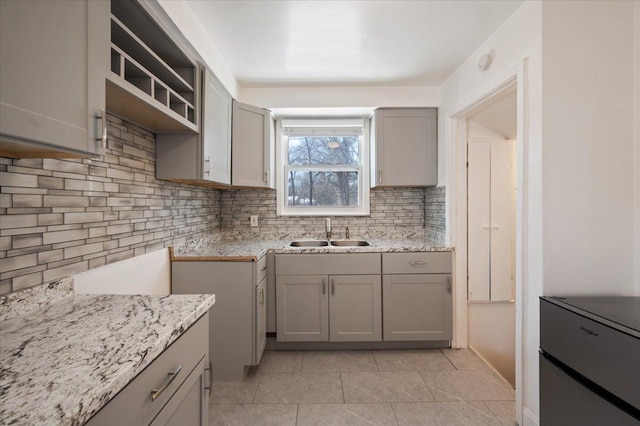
254,221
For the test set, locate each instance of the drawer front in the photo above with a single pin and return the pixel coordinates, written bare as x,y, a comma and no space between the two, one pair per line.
262,269
416,263
605,356
325,264
133,404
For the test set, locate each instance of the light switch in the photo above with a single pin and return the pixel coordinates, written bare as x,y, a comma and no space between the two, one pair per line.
254,221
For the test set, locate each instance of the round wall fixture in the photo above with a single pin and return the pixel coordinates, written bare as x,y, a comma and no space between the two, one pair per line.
484,62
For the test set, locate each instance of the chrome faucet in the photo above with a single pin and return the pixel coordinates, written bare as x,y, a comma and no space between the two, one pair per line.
346,233
327,226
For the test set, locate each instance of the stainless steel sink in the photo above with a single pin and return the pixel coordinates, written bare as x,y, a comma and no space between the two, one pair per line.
350,243
309,243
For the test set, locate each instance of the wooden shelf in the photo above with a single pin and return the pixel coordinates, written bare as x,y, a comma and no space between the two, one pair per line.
148,70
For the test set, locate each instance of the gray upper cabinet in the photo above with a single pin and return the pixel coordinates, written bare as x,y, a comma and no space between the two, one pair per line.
53,62
404,147
152,82
252,141
201,158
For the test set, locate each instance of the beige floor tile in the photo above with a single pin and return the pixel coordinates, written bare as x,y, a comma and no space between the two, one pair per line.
345,414
338,361
466,385
234,392
324,388
280,362
384,387
464,359
467,413
505,411
252,414
412,360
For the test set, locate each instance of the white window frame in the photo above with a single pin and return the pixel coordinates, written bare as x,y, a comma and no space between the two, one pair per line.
282,182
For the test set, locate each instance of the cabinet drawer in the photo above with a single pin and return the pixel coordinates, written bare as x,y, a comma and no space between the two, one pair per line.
262,269
324,264
133,404
416,263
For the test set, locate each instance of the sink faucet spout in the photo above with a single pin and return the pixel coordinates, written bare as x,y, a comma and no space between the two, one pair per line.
327,225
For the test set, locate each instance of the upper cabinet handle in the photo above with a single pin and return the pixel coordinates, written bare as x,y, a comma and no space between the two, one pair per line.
207,162
103,130
379,176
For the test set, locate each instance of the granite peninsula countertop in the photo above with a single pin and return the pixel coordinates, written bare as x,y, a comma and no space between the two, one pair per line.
250,250
64,355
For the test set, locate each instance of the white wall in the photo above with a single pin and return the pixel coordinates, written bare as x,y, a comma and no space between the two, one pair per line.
587,124
331,97
637,138
579,213
517,40
183,17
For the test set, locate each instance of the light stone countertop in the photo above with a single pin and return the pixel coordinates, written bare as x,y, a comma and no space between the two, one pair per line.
214,249
64,355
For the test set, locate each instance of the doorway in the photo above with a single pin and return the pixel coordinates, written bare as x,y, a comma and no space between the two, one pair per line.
491,218
512,84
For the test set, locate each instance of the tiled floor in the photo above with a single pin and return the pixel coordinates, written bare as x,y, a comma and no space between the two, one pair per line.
385,387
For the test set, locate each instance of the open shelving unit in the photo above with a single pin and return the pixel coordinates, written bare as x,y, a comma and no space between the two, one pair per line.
152,82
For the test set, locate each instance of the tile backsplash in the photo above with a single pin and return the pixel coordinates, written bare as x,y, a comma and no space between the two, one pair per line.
60,217
393,210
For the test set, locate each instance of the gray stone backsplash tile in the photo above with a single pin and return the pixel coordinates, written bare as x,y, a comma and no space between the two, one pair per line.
76,214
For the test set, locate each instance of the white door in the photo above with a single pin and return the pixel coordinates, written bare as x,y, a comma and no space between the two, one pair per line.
491,221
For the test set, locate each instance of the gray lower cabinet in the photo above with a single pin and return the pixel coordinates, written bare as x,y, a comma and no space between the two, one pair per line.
238,319
417,299
172,390
328,297
54,57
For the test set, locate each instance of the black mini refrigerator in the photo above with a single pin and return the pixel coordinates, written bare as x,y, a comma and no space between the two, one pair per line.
590,361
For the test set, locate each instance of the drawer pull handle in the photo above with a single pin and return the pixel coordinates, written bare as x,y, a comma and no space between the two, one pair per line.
210,387
155,393
264,268
418,262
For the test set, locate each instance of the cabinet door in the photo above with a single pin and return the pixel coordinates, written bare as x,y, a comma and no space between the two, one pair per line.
405,147
232,323
53,63
355,308
417,307
216,131
252,146
189,405
303,307
261,319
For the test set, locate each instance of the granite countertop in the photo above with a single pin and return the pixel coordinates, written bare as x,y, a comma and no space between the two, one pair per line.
64,355
250,250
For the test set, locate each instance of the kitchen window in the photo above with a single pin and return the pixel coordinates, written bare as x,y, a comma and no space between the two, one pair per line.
322,167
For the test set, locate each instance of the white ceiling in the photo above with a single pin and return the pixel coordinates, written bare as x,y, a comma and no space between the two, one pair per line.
333,43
